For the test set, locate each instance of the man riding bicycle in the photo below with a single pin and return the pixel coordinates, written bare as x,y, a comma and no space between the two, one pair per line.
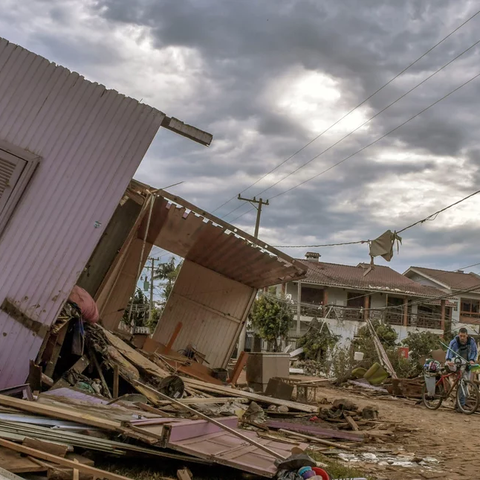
465,347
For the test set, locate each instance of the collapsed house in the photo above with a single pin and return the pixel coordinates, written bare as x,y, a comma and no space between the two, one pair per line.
76,230
222,270
68,151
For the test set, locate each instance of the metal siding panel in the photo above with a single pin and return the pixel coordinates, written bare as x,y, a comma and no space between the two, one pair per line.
91,141
211,333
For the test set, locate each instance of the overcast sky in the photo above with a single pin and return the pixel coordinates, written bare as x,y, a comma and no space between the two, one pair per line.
265,78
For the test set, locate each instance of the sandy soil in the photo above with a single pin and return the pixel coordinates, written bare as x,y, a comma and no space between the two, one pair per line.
448,436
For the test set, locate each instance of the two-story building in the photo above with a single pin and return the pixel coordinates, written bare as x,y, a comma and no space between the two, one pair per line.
345,296
463,290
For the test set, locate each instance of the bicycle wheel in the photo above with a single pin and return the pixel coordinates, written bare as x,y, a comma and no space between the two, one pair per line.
432,403
468,397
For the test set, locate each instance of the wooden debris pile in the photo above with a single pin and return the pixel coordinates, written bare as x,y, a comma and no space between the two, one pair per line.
113,399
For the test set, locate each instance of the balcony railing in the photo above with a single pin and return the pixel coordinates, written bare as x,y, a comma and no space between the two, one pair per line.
392,317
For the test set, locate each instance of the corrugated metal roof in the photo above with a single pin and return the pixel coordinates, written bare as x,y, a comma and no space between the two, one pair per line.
90,140
379,279
192,233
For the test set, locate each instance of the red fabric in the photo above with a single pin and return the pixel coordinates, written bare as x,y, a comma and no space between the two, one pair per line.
86,304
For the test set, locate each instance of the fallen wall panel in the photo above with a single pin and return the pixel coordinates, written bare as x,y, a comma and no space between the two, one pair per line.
90,141
212,309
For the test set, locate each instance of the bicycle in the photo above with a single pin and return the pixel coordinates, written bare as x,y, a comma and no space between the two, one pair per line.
443,389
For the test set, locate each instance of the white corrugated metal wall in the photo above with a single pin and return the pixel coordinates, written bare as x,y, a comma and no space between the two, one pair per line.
212,309
91,140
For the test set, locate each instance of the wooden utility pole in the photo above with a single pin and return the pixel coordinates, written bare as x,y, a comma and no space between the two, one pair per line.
260,203
152,274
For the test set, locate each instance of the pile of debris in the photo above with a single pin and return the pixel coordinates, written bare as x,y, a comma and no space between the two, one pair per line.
93,391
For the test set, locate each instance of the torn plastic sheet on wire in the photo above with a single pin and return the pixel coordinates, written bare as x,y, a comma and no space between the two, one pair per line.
383,245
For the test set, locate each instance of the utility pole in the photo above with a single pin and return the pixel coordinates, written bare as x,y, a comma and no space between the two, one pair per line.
260,203
152,274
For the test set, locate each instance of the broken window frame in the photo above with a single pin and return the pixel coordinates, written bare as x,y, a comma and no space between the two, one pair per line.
25,164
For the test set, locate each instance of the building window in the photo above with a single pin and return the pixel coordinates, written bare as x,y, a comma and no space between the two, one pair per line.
470,308
312,295
356,300
16,169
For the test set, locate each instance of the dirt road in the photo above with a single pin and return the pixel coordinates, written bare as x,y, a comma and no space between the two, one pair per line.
449,437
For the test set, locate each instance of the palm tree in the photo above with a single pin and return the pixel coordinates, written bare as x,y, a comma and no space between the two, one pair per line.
167,272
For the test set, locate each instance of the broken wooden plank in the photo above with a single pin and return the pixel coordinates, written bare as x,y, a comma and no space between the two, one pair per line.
210,400
316,431
116,381
35,376
134,356
352,423
184,474
174,336
313,439
58,339
48,447
239,366
100,374
15,463
60,413
76,472
80,365
97,473
229,391
47,380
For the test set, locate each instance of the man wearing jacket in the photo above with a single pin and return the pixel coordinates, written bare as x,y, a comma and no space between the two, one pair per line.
465,347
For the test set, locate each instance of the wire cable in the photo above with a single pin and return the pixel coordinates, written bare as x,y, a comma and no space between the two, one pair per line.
353,109
371,143
353,131
432,216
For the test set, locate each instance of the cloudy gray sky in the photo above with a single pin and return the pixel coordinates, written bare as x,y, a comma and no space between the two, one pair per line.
267,77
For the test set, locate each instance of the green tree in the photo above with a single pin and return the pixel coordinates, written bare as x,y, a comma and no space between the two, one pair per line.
272,318
318,342
167,272
420,344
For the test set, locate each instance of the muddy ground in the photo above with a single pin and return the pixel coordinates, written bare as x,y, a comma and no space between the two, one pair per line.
444,435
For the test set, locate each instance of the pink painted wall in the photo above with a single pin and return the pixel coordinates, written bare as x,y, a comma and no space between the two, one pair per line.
91,141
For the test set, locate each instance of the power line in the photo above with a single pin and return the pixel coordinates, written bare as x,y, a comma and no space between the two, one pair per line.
353,109
469,266
325,245
433,216
439,211
372,143
357,128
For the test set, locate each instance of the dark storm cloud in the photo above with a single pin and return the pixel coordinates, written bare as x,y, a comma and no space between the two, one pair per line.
250,53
